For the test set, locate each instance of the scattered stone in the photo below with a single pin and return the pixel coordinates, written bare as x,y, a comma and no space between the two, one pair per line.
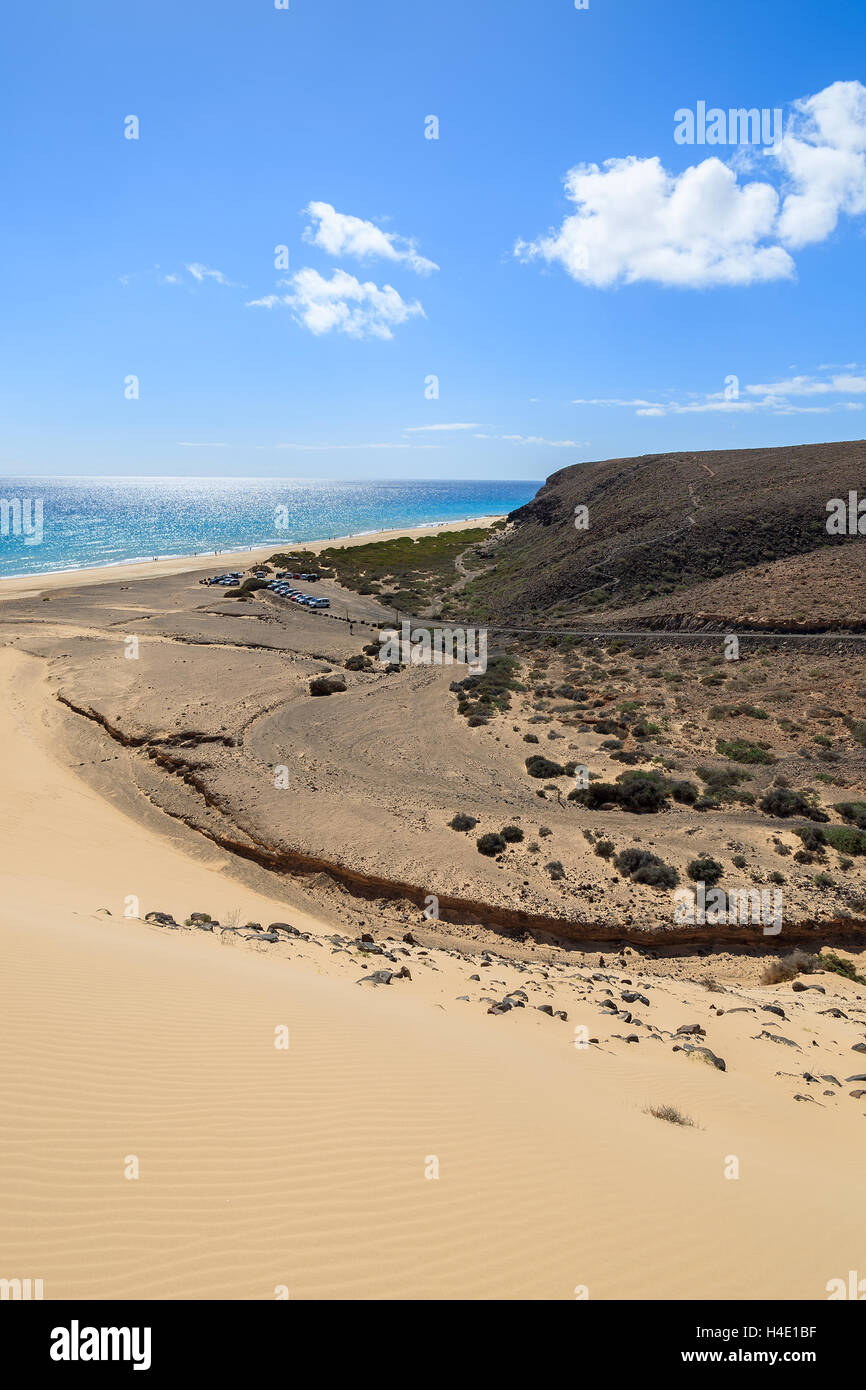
384,977
777,1038
705,1055
327,685
774,1009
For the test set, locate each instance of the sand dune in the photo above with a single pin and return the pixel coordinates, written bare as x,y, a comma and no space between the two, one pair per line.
264,1169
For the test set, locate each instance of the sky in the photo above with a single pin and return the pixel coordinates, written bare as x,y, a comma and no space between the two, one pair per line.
462,239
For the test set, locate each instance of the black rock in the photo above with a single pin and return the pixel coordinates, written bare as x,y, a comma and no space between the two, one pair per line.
774,1009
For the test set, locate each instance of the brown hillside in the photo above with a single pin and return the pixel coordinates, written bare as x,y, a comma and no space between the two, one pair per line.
662,524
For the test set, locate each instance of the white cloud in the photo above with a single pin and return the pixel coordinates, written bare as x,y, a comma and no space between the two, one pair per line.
344,303
317,447
610,400
342,235
812,386
823,154
537,439
421,429
636,221
751,399
201,273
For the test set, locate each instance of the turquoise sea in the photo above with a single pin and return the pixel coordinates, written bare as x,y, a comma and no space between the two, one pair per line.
51,524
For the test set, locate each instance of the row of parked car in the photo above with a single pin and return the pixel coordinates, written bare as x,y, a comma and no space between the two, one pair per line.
229,580
279,586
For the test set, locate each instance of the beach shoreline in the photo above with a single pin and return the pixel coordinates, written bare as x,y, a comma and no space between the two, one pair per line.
27,585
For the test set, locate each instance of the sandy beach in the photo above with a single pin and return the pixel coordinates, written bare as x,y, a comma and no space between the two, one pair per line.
372,1104
22,586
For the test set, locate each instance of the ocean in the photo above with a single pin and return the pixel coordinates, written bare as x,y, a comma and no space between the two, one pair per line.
53,524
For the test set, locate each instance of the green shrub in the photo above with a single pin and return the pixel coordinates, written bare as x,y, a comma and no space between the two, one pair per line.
813,839
837,965
718,778
705,870
740,751
642,867
512,834
249,586
684,792
604,849
461,822
783,802
490,845
846,839
539,766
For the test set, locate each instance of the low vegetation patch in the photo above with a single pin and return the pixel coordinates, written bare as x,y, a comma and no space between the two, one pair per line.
641,792
837,965
784,802
643,867
512,834
489,693
845,839
249,586
671,1114
490,845
539,766
739,750
705,870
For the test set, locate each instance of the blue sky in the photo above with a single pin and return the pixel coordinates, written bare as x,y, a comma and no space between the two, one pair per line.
631,289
